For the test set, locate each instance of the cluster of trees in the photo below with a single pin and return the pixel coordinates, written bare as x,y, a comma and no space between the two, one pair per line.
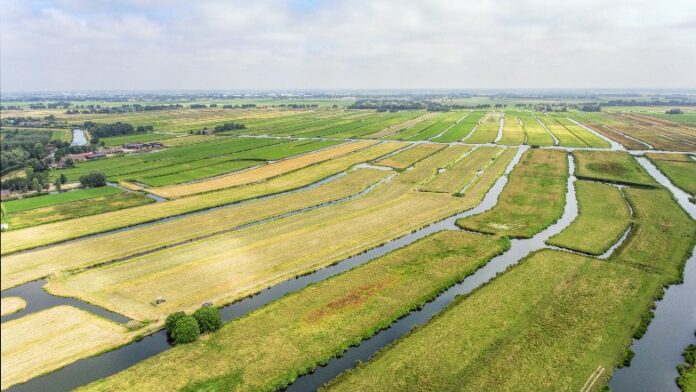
126,108
182,328
230,126
45,122
674,111
591,108
114,129
653,102
22,148
35,181
93,179
242,106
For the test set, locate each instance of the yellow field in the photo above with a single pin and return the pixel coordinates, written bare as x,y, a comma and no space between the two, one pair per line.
229,266
24,267
513,133
16,240
260,174
401,126
59,336
453,179
407,158
9,305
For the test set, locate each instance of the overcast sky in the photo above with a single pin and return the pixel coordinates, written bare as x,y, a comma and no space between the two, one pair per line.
60,45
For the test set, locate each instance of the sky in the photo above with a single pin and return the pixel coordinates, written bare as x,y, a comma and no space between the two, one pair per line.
78,45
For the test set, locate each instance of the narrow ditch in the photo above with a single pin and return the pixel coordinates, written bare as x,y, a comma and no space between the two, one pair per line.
519,249
658,351
90,369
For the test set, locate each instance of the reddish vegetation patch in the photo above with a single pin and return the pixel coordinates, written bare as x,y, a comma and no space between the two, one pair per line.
353,298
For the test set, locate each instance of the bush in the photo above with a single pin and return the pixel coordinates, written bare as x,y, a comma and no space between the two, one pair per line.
208,318
185,330
95,178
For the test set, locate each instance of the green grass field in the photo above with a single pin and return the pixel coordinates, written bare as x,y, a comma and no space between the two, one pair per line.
615,167
59,198
532,199
487,130
604,217
546,324
273,345
460,130
680,169
94,205
118,141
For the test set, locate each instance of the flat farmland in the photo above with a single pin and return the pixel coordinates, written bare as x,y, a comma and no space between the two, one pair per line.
536,134
508,334
60,231
453,179
614,167
487,130
404,159
603,217
240,263
679,168
52,338
565,136
71,210
417,121
513,131
532,200
261,173
429,129
461,129
118,141
304,329
71,256
606,126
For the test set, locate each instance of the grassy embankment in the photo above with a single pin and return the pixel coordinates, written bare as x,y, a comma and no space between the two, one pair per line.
293,335
532,199
603,217
613,167
24,267
687,370
60,231
47,340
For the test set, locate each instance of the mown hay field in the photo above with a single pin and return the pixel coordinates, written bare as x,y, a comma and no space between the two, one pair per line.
61,231
47,340
24,267
240,263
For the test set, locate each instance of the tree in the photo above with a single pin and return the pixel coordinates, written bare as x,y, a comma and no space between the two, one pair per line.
185,330
35,184
208,318
69,162
63,179
95,178
171,320
58,185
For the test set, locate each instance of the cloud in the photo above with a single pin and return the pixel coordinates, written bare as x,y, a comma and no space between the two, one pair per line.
155,44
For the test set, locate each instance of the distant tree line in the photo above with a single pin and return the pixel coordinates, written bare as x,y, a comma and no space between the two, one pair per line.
230,126
126,108
674,111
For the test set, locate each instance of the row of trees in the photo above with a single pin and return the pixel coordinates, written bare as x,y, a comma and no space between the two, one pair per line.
114,129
